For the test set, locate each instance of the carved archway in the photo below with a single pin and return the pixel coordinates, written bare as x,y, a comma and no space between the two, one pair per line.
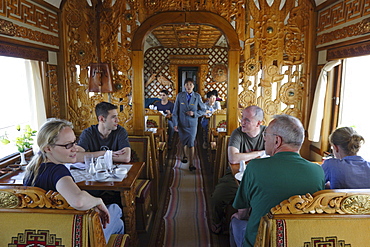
205,18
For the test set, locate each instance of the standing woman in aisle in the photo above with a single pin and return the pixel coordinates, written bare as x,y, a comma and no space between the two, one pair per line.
188,108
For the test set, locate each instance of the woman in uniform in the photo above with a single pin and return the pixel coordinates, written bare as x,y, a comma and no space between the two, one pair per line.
188,108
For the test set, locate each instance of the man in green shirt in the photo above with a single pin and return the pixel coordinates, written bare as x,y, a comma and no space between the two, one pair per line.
268,181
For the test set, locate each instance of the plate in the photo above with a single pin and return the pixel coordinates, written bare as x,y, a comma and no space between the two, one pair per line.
239,176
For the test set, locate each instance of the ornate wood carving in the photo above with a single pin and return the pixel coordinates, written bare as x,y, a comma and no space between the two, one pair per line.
358,49
129,214
53,89
7,28
31,197
342,12
359,28
326,201
29,13
278,52
30,16
11,50
116,19
274,68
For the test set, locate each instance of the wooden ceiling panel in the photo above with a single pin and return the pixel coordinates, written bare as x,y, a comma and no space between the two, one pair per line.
187,35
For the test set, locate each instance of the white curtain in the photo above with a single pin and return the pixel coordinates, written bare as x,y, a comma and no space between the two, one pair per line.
317,112
36,96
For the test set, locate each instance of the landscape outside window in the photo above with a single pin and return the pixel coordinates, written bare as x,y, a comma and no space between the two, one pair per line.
15,101
354,101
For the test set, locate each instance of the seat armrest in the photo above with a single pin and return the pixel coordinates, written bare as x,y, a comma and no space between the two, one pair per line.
118,240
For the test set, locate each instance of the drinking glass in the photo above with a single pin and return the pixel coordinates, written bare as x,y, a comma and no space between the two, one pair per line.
88,158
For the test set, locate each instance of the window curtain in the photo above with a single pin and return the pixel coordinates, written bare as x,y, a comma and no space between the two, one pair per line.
317,112
36,97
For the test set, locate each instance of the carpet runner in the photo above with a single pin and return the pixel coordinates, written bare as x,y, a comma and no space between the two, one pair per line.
186,216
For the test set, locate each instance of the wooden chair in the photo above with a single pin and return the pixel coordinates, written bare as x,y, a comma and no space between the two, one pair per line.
30,216
221,161
217,120
155,119
326,218
146,193
154,163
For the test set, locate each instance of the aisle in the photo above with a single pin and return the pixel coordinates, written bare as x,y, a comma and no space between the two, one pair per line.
186,216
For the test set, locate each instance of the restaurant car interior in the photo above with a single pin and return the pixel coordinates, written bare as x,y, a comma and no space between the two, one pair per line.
184,123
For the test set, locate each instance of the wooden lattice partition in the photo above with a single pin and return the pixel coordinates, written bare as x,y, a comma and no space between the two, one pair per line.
159,60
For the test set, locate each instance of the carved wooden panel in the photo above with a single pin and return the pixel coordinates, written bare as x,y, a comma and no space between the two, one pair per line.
356,29
342,12
274,50
27,18
28,12
326,201
53,89
359,49
116,29
31,197
274,67
11,50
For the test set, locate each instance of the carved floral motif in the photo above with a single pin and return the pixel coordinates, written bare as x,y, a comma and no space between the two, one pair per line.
31,197
325,202
7,27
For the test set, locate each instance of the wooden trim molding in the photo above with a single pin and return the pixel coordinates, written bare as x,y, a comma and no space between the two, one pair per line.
11,50
354,50
359,28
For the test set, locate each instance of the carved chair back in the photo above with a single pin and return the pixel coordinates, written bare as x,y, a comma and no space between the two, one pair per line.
326,218
30,215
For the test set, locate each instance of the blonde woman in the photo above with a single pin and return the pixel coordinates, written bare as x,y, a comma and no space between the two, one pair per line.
347,170
57,143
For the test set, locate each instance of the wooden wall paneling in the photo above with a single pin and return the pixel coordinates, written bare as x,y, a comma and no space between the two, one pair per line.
80,49
279,51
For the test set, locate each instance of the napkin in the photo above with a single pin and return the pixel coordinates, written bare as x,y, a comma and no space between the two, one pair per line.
108,160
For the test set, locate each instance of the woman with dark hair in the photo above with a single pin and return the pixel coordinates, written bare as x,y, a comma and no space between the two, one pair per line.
57,143
347,170
188,108
211,106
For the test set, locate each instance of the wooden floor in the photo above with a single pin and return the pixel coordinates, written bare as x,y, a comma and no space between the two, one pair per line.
154,236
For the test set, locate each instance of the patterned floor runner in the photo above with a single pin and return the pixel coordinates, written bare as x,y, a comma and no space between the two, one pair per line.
186,217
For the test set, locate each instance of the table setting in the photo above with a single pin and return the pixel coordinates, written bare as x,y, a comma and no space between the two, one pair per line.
100,169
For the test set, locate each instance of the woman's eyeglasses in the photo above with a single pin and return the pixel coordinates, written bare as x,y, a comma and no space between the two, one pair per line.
67,146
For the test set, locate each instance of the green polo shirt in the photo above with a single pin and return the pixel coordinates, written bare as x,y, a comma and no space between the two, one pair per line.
269,181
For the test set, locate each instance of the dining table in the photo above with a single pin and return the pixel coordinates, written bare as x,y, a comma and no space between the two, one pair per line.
126,188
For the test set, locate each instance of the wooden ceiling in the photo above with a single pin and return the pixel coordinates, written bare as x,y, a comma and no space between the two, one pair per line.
200,36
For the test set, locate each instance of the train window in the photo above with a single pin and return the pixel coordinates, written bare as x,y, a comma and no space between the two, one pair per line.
19,99
353,100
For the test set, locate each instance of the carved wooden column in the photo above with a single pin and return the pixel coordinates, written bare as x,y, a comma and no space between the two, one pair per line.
138,92
232,90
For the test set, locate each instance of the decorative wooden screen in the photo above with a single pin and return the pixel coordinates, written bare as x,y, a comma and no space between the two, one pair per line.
157,60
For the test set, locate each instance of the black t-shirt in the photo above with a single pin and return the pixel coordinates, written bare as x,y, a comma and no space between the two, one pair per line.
92,141
48,176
